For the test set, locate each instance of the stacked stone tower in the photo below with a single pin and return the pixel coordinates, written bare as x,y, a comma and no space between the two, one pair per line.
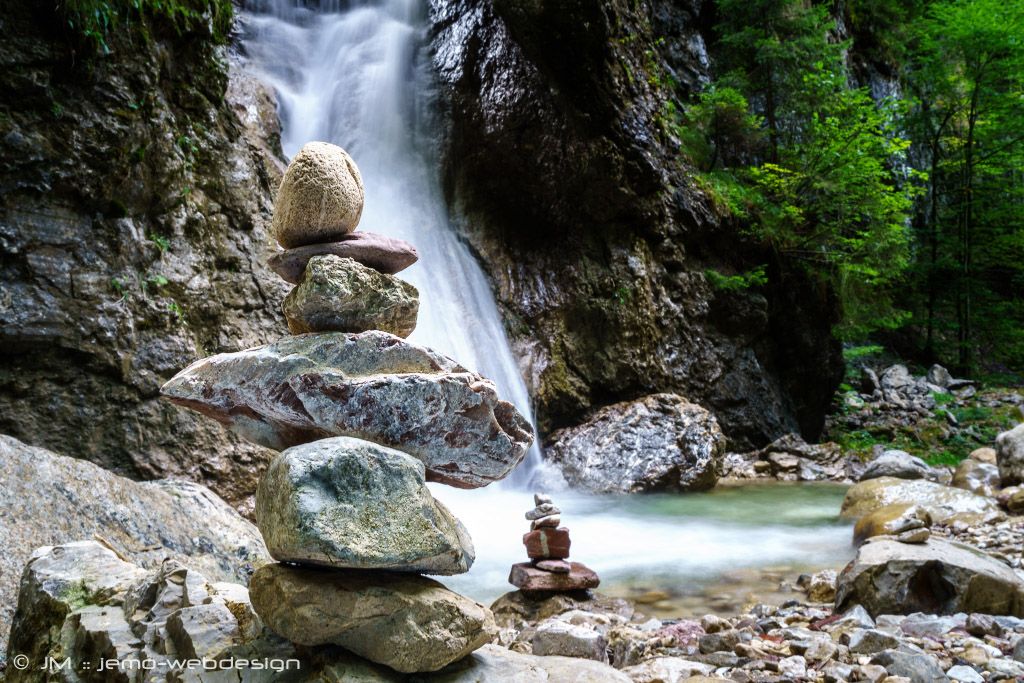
363,419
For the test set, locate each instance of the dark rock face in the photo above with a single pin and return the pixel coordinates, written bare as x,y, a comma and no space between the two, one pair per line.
595,237
132,211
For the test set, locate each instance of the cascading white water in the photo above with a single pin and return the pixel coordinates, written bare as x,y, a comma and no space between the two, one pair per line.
358,76
360,79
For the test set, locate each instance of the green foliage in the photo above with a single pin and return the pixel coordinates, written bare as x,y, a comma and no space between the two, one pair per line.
783,142
94,22
852,354
161,242
752,278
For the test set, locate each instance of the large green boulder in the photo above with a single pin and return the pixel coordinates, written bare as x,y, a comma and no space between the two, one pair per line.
344,502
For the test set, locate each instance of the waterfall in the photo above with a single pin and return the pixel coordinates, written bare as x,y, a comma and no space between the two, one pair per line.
359,77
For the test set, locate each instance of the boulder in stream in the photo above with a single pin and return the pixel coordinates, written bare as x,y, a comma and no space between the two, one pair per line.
347,503
944,503
659,442
373,386
1010,455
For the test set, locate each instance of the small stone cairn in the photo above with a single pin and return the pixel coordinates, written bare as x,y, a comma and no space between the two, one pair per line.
547,545
344,507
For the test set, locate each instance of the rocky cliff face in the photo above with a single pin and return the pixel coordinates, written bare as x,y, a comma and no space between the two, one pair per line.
132,234
596,238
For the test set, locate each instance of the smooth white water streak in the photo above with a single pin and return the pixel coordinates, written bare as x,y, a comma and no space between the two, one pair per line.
358,76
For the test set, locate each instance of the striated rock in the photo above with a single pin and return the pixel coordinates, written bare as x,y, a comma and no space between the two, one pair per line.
977,477
320,197
372,614
937,577
372,386
547,543
943,503
384,254
1010,455
896,463
660,442
343,502
340,295
530,579
132,226
495,663
891,520
47,499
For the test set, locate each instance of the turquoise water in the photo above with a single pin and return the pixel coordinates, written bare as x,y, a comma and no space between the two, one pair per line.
681,544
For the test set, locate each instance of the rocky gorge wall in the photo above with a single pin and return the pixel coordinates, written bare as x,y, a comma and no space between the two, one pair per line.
133,201
594,234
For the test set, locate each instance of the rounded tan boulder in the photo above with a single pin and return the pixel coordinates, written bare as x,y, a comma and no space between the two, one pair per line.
320,198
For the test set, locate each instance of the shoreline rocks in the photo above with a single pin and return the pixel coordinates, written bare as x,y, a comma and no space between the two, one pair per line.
370,385
937,577
943,503
47,499
347,503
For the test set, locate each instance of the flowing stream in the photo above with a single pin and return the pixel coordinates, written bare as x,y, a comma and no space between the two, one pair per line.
358,75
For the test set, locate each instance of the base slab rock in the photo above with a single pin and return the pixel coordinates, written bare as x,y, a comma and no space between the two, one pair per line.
373,386
406,622
530,579
347,503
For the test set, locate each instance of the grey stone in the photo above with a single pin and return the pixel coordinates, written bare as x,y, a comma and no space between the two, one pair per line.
340,295
48,499
666,670
372,386
1010,455
320,197
384,254
344,502
659,442
939,376
720,641
557,637
938,577
920,625
896,463
406,622
919,668
494,663
964,674
869,641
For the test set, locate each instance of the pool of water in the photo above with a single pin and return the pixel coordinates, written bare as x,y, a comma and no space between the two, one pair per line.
678,554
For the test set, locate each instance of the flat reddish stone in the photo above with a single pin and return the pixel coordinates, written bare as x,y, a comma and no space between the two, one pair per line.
385,254
556,566
530,579
545,544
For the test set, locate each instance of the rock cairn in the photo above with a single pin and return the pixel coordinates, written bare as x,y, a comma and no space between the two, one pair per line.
547,545
363,419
